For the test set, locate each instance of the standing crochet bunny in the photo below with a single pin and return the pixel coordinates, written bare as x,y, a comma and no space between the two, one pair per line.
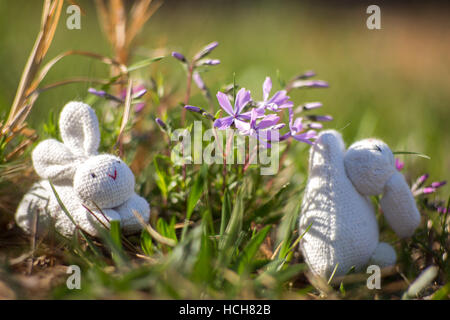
81,177
344,229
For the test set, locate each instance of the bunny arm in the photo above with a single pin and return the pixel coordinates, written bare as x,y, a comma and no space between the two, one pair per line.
83,218
129,223
41,200
343,228
34,202
399,206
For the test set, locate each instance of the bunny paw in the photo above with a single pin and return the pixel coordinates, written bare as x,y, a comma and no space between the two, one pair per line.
129,223
384,256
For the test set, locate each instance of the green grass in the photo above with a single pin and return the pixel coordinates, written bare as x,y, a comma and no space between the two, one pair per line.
242,243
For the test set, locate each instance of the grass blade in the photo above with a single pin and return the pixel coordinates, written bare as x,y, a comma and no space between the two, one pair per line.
251,249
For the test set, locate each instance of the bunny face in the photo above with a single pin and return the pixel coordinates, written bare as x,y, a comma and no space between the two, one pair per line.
369,164
104,180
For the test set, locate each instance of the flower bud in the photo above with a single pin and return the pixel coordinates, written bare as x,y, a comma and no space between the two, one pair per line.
179,56
206,50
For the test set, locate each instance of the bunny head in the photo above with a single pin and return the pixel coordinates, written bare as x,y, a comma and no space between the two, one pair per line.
104,180
370,166
369,163
101,179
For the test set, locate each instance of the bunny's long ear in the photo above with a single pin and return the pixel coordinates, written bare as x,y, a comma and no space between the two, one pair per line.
399,206
54,161
79,129
327,154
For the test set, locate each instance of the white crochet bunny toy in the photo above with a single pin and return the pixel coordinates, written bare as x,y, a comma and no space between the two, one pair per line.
81,177
344,229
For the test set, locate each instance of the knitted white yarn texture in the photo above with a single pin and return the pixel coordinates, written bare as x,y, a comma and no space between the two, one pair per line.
343,231
82,178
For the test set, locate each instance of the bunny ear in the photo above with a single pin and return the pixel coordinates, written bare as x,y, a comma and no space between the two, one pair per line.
79,128
399,206
328,152
54,161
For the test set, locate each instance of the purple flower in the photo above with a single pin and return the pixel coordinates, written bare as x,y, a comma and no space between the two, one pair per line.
309,84
442,210
236,116
419,182
206,50
161,123
399,164
296,130
252,128
320,118
306,75
104,94
179,56
423,178
136,92
192,108
278,101
428,190
99,93
315,125
309,106
198,81
139,93
438,184
201,111
262,130
208,62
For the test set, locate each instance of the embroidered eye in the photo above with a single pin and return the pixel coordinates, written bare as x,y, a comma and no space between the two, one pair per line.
93,175
378,148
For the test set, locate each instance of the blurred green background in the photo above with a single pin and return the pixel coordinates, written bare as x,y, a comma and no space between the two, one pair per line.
391,83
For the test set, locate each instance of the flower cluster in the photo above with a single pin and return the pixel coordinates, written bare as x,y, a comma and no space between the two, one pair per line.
137,92
420,189
199,60
260,118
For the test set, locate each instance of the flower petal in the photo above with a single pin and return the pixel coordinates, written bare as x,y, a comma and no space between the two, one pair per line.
223,123
242,98
399,164
306,137
192,108
260,111
297,126
242,126
268,121
279,98
267,87
315,125
225,103
198,81
288,104
285,136
291,118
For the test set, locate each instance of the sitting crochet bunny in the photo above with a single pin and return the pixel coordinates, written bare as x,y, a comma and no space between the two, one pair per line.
81,177
344,229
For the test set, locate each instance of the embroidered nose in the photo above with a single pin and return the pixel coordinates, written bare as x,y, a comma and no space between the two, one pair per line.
113,176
